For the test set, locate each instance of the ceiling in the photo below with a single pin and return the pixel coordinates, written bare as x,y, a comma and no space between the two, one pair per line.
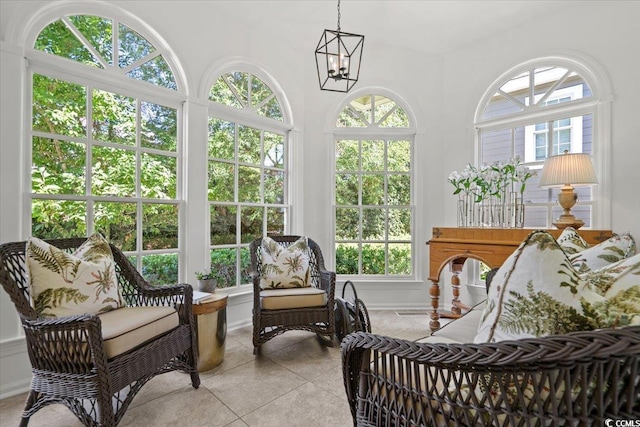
431,26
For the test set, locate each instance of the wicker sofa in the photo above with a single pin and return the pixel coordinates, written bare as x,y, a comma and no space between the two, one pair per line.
576,379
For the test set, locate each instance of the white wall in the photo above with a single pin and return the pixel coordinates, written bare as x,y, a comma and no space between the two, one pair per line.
443,92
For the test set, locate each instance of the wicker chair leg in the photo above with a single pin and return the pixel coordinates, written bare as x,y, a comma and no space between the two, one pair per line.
31,398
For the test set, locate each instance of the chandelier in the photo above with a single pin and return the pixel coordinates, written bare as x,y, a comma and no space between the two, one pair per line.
338,57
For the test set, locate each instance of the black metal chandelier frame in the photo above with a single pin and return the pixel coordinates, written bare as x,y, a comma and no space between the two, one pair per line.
338,58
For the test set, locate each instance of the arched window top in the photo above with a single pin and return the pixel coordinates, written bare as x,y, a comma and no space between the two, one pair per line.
106,44
373,111
245,91
535,89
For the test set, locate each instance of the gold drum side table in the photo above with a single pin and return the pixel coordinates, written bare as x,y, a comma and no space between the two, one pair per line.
211,330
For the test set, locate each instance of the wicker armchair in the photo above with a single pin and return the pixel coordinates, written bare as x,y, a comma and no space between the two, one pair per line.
268,323
577,379
68,356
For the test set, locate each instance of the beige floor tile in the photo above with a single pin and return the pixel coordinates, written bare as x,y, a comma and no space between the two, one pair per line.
308,405
160,386
252,385
309,358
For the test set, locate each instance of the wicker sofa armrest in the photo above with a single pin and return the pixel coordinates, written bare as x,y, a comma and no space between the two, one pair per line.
575,378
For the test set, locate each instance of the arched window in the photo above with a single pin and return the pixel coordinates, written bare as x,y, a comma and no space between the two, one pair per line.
373,213
248,173
105,141
537,110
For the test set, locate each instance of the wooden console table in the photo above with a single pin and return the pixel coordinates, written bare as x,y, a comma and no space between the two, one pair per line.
453,245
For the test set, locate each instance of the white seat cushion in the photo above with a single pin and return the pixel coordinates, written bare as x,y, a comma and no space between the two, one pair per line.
279,299
128,327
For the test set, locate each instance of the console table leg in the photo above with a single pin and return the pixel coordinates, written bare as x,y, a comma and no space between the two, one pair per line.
434,291
456,269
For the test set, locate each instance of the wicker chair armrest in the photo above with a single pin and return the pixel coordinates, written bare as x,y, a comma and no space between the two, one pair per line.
65,344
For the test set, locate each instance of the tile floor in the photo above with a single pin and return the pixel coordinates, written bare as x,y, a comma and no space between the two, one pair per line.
295,381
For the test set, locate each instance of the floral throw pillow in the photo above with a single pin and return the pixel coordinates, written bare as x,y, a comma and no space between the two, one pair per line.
285,267
535,293
608,252
571,242
64,284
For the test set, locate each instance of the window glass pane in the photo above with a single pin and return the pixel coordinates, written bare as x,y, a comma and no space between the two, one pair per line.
245,265
158,127
399,224
158,176
399,156
239,84
397,118
155,71
159,226
251,220
273,150
400,258
373,258
347,155
383,106
373,155
221,182
58,40
273,187
347,258
221,93
259,91
248,184
271,110
351,118
373,224
276,220
59,107
58,167
160,269
114,118
114,172
54,219
248,145
117,223
132,46
223,225
347,189
373,189
347,223
221,139
224,266
399,190
99,32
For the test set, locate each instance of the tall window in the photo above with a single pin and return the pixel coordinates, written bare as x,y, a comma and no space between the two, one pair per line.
533,114
105,158
247,156
373,182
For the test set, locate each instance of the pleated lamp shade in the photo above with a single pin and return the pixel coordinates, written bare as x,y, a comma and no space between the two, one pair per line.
568,169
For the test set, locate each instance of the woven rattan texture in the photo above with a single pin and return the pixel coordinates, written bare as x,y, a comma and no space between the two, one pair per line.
578,379
270,323
68,360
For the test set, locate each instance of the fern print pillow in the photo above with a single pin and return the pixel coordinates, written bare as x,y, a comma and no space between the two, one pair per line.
64,284
536,293
603,254
284,267
571,242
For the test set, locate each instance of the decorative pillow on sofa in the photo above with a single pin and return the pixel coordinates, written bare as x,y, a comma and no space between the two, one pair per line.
285,267
619,283
612,250
571,242
64,284
535,293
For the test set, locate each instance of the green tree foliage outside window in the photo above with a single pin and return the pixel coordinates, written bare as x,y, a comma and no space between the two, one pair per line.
112,167
247,172
373,206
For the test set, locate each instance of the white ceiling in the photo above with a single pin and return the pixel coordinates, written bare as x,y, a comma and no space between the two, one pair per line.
431,26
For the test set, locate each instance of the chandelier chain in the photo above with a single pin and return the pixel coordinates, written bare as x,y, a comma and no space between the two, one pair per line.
338,16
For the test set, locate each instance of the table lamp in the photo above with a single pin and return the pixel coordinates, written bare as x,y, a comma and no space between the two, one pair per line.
565,171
